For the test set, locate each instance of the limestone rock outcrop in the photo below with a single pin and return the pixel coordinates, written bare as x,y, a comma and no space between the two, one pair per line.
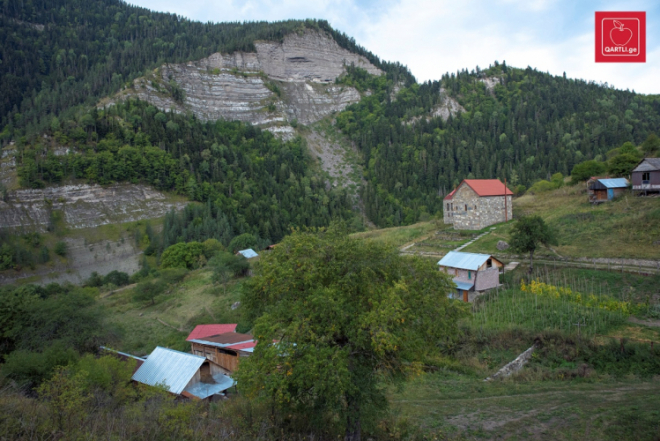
83,206
279,83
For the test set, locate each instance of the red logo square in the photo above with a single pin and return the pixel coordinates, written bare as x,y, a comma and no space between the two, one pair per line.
620,37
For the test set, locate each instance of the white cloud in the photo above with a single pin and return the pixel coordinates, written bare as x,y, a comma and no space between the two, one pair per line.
432,37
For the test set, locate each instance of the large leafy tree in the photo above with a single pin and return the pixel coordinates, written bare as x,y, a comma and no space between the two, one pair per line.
530,232
346,316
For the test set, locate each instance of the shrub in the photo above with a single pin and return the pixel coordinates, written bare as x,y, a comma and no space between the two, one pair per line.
116,278
173,275
587,169
541,187
148,290
241,242
182,255
60,248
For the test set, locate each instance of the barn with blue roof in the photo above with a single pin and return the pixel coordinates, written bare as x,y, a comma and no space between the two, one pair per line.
606,189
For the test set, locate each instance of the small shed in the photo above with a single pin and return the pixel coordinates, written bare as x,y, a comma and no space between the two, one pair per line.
248,253
183,374
224,349
646,176
473,272
606,189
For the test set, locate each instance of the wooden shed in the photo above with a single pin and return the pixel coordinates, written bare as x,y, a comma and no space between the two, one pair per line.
606,189
225,349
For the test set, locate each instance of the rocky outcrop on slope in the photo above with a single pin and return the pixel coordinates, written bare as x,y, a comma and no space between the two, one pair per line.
83,206
279,83
83,258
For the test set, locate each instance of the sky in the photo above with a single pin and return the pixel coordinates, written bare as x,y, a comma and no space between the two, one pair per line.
433,37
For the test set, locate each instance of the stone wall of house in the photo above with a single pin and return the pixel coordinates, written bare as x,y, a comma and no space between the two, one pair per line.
469,211
487,279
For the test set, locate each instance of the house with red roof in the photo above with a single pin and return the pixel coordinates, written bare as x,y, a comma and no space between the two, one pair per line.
478,203
202,331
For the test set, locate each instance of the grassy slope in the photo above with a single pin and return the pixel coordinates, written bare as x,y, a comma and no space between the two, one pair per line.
466,408
626,227
195,300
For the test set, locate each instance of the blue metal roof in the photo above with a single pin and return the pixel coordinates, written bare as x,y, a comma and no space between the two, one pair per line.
248,254
170,368
465,286
614,182
468,261
204,390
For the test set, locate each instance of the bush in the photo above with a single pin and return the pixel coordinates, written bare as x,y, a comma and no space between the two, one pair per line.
173,275
148,290
241,242
183,255
622,165
541,187
116,278
587,169
60,248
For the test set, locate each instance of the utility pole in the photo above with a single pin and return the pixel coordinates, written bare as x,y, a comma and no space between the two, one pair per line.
506,209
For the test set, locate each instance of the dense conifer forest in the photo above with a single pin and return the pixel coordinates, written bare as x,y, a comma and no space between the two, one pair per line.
56,55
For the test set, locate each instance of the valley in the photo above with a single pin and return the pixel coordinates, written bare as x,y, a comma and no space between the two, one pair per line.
162,173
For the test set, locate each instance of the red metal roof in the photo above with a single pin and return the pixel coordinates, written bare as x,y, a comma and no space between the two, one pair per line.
202,331
239,346
450,195
484,187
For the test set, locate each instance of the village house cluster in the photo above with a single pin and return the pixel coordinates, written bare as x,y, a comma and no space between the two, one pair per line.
203,374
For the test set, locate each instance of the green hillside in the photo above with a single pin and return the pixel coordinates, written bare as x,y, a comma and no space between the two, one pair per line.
60,56
527,126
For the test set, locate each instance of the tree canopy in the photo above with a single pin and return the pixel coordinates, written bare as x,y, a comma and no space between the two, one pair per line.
345,315
528,233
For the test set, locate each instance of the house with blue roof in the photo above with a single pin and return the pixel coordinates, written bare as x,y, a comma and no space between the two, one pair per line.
471,272
606,189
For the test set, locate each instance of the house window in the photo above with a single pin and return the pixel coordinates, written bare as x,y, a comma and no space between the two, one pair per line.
465,207
447,206
646,177
475,207
469,275
489,263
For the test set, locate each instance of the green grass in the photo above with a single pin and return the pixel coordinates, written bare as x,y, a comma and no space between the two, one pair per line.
461,407
512,308
628,227
193,301
400,236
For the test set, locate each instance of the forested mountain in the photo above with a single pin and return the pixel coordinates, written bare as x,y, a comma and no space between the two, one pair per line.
56,55
59,58
518,124
250,181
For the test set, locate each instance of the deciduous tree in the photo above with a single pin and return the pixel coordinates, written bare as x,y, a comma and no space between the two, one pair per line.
347,315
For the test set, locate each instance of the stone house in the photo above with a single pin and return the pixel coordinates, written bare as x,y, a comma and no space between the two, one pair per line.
478,203
646,176
472,272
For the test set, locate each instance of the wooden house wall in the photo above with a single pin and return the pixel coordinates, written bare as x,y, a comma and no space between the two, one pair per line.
226,359
654,177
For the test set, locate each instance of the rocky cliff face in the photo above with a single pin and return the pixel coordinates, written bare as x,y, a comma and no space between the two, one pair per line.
279,83
83,206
